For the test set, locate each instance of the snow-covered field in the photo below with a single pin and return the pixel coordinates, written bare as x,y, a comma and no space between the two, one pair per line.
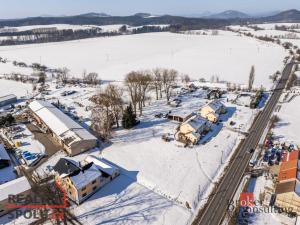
12,87
228,56
8,68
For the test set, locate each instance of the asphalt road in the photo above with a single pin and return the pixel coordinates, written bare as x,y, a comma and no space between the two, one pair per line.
216,208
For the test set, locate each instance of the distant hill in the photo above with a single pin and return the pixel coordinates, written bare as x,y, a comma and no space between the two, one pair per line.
92,14
139,19
178,22
230,14
292,15
142,14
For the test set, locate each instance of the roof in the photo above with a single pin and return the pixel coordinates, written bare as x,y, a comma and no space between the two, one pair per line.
289,165
287,174
216,104
196,122
102,165
66,166
14,187
78,174
85,176
61,124
3,153
7,97
291,156
285,187
182,114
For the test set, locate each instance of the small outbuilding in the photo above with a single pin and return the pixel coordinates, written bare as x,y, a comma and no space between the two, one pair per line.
7,100
180,116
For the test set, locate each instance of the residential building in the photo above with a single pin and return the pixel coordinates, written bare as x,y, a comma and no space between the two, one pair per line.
212,110
193,128
16,187
73,137
7,100
81,180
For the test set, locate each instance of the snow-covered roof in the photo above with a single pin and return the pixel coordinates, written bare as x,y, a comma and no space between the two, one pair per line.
102,165
216,105
14,187
61,124
7,97
85,177
196,122
3,153
182,114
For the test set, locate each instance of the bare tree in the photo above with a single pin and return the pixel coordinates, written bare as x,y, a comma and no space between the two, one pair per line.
132,85
169,80
157,82
144,82
64,75
251,78
102,119
185,79
92,78
116,103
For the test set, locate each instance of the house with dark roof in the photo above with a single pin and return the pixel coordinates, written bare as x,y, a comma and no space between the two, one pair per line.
80,180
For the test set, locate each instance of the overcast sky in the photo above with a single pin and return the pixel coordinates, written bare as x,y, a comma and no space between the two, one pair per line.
25,8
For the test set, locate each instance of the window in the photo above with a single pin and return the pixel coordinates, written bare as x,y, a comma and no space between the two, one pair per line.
83,195
83,189
94,181
94,188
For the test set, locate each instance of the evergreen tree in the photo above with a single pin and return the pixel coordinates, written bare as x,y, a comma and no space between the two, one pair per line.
129,118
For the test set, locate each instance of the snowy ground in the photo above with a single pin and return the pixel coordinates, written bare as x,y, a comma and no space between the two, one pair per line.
180,174
158,179
200,56
288,126
12,87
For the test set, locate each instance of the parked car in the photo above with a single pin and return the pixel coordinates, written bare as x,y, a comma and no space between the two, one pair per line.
252,150
159,115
